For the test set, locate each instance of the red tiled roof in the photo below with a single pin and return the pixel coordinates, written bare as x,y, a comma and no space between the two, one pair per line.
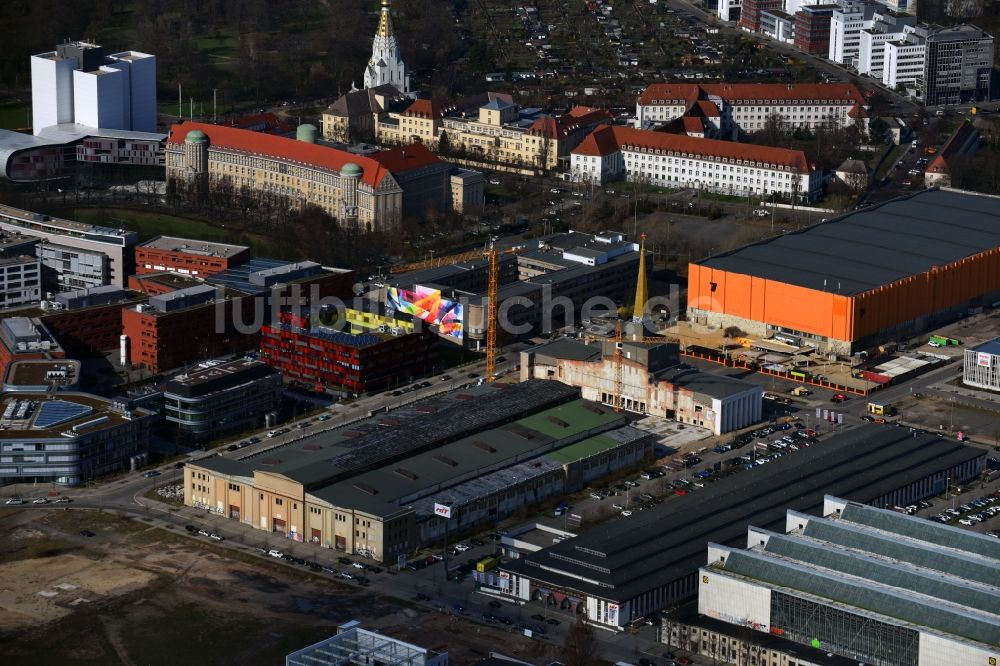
599,143
546,126
857,111
426,108
581,111
279,147
954,146
686,93
612,138
781,92
578,116
939,165
693,125
707,109
404,158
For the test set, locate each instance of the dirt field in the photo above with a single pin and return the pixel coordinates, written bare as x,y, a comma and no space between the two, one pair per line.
156,597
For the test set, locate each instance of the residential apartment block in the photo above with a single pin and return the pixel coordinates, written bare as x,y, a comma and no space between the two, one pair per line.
675,161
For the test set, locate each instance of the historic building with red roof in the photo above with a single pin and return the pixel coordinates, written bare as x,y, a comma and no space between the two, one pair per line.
746,107
358,190
494,132
964,141
679,161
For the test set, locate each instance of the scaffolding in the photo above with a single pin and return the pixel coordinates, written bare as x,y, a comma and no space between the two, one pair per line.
365,648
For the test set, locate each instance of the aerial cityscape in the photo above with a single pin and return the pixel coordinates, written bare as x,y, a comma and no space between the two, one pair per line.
500,333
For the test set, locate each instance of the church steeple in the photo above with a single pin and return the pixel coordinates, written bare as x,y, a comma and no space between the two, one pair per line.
386,66
385,21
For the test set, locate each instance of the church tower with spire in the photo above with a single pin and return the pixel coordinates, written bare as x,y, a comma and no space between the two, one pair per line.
386,65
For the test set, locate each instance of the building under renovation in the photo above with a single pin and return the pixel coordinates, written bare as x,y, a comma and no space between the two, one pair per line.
653,382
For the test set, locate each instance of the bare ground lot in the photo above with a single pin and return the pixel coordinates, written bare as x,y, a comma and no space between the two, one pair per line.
151,596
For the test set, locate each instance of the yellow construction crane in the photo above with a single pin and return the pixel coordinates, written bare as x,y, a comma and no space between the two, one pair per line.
492,294
437,261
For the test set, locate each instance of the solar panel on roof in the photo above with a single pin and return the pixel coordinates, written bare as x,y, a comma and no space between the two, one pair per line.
54,412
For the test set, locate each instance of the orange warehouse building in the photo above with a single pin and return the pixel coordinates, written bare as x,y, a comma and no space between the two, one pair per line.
860,280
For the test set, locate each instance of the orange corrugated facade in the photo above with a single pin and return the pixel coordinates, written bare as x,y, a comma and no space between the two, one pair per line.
843,317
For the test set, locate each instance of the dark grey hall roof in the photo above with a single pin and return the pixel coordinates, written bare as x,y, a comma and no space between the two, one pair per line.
624,558
874,247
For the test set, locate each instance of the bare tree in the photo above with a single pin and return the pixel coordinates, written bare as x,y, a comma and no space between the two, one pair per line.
580,647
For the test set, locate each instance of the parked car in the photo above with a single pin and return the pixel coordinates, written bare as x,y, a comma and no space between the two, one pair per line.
274,552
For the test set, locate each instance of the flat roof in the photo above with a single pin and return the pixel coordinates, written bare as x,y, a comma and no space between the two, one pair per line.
62,414
34,372
565,348
58,225
389,488
988,347
221,377
704,383
626,557
876,246
425,424
189,246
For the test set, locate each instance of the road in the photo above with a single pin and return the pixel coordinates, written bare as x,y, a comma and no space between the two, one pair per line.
900,104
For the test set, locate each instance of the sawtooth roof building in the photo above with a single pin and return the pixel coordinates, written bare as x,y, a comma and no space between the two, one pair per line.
625,569
874,585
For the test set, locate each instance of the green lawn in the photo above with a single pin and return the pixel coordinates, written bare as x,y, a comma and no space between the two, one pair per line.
150,224
14,116
224,45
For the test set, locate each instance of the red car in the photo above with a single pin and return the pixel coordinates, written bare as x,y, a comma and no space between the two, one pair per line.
838,397
683,660
810,432
680,492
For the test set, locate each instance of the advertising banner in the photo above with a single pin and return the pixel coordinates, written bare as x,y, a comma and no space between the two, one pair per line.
427,305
